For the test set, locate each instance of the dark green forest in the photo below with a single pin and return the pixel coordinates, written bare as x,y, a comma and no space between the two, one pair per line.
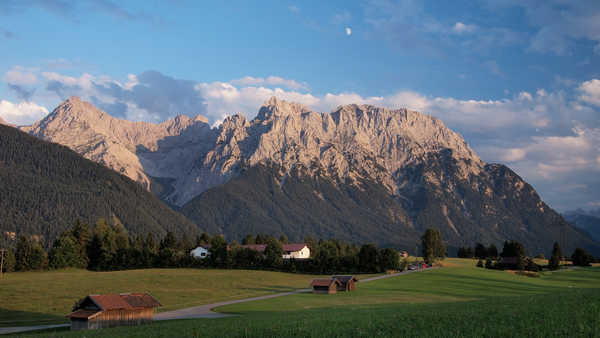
46,187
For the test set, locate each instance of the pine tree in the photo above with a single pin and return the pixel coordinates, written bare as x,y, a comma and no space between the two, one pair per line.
554,263
23,254
480,251
492,251
65,252
367,258
249,239
433,247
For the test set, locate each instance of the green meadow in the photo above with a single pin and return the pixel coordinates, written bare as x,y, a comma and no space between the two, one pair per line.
456,301
35,298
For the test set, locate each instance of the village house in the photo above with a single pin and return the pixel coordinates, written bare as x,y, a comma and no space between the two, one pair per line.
293,250
101,311
296,251
200,252
347,283
326,286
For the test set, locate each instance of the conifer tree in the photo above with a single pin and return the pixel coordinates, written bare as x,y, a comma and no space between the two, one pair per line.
554,263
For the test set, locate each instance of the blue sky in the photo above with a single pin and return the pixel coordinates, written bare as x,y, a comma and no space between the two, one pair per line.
520,80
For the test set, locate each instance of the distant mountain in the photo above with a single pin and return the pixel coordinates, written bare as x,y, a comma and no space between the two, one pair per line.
46,187
586,220
4,122
361,173
138,150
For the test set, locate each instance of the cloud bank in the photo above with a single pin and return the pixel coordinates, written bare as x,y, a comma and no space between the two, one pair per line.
546,136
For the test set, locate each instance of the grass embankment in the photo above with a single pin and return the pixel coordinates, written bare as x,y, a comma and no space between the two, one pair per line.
459,300
35,298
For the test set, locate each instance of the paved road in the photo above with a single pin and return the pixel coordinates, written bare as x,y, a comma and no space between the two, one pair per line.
202,311
18,329
205,311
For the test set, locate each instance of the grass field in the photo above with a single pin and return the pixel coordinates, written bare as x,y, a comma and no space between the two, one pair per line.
456,301
30,298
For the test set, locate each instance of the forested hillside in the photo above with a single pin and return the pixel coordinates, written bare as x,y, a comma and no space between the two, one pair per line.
45,187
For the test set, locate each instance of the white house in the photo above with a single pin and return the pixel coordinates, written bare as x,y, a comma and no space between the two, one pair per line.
296,251
200,252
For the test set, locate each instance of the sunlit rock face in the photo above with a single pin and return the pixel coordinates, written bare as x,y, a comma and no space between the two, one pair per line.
401,171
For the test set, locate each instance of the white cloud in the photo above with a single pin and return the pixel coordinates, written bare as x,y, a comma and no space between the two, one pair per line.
590,92
84,81
460,28
21,113
561,23
270,81
20,76
555,156
348,31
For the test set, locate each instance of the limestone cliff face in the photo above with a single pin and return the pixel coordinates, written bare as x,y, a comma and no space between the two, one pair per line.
351,143
120,144
360,173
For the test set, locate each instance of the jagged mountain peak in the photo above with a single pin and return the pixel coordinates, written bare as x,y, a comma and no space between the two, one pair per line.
277,107
115,142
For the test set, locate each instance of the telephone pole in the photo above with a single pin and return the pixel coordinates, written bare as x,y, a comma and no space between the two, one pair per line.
1,261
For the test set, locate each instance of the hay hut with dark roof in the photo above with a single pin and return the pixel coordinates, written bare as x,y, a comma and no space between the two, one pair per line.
325,285
347,283
100,311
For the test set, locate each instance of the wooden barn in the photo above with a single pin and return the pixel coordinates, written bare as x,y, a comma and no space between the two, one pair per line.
347,283
328,286
100,311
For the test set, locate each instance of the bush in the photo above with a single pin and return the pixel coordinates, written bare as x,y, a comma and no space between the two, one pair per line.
489,264
480,264
581,258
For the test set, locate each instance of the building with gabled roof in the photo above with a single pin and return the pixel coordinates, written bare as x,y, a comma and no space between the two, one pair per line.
328,286
347,283
100,311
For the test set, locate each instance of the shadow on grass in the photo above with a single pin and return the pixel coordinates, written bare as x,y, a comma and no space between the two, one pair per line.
10,318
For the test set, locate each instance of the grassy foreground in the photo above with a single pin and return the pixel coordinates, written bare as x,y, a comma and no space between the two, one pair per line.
459,300
35,298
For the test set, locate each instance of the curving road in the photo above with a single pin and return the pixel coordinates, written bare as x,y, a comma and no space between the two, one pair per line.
205,311
202,311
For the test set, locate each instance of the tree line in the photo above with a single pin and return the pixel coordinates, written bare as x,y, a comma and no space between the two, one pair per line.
104,247
513,256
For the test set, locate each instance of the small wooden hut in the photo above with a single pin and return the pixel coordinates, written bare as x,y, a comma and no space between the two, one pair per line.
347,283
328,286
100,311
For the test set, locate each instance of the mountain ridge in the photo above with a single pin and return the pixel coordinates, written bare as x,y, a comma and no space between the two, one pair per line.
426,174
46,187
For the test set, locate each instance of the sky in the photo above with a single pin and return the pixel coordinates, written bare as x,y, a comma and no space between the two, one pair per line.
520,80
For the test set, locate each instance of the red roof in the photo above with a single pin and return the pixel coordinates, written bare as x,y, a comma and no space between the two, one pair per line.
286,247
124,301
84,314
256,247
324,282
293,247
345,279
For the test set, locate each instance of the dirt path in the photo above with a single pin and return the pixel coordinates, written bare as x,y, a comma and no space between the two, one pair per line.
202,311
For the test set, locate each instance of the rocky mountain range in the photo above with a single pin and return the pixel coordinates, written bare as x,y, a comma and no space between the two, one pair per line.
588,220
359,173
